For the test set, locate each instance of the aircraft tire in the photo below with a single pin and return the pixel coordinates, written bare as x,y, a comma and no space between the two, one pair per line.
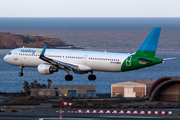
68,77
71,77
92,77
20,74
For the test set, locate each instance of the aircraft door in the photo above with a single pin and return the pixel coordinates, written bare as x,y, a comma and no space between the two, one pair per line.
85,59
16,55
47,54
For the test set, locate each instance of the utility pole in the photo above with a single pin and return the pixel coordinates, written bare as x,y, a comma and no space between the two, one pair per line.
61,104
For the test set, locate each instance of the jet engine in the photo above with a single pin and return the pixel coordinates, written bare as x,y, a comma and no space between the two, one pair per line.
46,69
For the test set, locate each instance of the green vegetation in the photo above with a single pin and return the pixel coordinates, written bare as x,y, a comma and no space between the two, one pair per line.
14,111
121,103
49,83
26,87
114,104
20,101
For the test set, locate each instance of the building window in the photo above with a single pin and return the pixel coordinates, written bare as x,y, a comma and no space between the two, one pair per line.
48,92
40,92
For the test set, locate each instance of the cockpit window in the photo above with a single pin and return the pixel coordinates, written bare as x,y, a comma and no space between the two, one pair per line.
9,53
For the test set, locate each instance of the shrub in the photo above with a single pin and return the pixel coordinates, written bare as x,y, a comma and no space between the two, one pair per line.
14,111
123,100
55,106
20,101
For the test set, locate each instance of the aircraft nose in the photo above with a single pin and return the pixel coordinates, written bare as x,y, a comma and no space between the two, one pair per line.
5,58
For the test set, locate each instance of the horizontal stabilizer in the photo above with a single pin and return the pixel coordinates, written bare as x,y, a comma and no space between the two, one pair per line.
170,58
146,58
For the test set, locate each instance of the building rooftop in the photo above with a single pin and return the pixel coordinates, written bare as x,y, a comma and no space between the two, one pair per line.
150,81
126,83
72,85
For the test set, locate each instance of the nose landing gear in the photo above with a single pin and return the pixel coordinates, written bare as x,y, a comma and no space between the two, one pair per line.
21,73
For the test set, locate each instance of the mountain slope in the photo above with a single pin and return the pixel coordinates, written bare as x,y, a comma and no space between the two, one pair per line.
10,41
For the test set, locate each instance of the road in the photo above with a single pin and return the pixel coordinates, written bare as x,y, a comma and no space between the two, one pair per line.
55,116
26,115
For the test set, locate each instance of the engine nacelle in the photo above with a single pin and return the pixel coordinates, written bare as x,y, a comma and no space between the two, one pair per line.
46,69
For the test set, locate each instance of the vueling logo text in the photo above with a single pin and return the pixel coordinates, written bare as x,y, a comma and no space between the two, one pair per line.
31,51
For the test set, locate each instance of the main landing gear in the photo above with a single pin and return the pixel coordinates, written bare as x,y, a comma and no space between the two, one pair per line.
68,77
92,77
21,73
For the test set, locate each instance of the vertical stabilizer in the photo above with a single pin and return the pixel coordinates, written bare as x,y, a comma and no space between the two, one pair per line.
148,48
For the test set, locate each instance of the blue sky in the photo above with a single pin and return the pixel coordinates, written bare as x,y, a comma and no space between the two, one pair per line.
89,8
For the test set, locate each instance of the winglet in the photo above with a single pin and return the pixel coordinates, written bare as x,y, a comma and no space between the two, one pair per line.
43,51
148,48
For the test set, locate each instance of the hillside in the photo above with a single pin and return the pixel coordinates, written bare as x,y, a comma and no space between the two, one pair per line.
10,41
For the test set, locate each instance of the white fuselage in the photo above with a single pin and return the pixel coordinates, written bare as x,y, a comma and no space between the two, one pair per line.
95,61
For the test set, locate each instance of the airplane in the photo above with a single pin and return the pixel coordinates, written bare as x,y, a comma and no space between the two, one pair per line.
49,61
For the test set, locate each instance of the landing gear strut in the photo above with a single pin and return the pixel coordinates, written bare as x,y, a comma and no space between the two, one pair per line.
68,77
92,77
21,73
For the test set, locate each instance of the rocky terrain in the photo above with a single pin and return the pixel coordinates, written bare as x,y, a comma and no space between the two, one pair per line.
10,41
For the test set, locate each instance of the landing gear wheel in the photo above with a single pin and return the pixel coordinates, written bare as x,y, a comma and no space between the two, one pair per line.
68,77
92,77
20,74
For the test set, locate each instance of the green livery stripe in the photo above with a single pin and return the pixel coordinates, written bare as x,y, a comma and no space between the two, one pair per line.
134,62
145,53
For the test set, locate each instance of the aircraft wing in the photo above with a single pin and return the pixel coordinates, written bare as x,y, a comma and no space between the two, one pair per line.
60,65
